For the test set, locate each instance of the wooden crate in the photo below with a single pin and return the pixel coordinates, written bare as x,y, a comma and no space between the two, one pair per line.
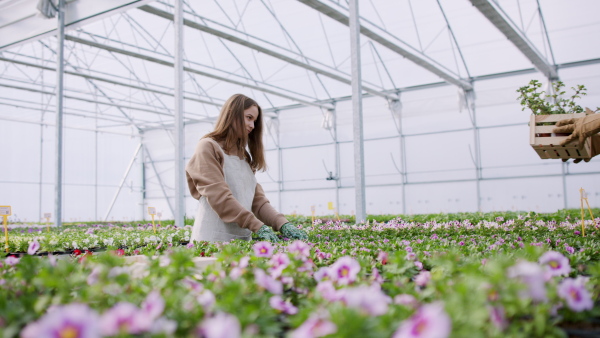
547,144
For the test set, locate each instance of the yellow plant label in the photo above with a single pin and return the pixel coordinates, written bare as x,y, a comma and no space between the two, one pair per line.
151,211
330,205
5,210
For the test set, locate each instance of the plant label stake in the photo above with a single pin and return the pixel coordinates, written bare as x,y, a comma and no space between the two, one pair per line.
47,216
159,215
152,212
584,197
5,211
312,210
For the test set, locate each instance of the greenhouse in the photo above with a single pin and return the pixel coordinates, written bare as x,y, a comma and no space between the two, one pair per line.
413,168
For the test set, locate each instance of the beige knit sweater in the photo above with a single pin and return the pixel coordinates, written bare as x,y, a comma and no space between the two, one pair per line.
205,177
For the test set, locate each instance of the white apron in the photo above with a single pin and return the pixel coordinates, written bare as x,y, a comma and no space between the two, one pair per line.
208,226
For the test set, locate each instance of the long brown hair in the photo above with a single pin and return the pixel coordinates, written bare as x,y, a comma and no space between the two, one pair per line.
231,130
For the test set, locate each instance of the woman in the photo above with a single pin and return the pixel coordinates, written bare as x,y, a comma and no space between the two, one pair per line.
221,175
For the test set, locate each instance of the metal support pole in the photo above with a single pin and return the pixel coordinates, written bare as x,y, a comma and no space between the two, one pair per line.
359,158
396,109
160,182
179,131
470,101
60,68
565,171
137,150
337,164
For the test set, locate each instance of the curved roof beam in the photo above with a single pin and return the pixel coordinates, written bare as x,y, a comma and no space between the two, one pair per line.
235,36
498,17
375,33
206,71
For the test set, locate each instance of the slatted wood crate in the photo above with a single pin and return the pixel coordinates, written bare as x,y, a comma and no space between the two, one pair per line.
547,144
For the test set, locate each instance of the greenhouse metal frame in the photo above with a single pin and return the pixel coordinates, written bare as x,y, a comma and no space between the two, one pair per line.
131,70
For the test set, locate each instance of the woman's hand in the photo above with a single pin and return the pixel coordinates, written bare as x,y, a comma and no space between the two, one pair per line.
290,231
266,234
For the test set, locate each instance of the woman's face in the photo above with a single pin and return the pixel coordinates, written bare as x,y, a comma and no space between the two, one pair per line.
250,116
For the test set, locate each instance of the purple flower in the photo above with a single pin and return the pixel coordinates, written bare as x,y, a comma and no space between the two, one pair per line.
94,276
376,276
429,321
314,326
423,278
532,275
555,263
410,256
33,247
299,248
498,317
280,259
244,262
221,325
344,270
286,307
406,300
328,291
368,299
382,257
207,300
574,292
570,249
11,260
322,273
153,306
419,265
267,282
263,249
190,245
72,320
192,284
122,318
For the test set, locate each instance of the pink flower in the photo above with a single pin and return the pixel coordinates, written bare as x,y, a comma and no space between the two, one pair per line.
344,270
368,299
376,276
286,307
419,265
221,325
574,292
192,284
570,249
430,321
280,259
314,326
300,249
33,247
322,273
244,262
263,249
122,318
532,275
72,320
423,278
267,282
410,256
153,306
328,291
382,257
207,300
555,263
498,317
11,260
236,273
406,300
94,276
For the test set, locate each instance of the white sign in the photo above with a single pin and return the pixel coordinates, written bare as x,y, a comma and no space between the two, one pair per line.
5,210
312,208
151,211
48,215
159,214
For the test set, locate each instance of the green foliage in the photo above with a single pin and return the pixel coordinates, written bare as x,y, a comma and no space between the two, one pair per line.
542,103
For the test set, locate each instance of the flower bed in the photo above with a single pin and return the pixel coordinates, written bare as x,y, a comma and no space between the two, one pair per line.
515,277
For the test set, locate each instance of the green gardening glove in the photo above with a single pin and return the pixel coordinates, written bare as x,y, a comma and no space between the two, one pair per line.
290,231
266,234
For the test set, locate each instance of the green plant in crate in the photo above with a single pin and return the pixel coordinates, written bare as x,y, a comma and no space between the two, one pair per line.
542,103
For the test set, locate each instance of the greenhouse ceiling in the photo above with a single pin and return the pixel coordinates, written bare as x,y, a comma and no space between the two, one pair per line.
120,54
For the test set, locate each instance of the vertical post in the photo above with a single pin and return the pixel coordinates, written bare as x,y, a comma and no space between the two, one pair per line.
337,162
565,171
179,131
470,101
359,158
60,64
